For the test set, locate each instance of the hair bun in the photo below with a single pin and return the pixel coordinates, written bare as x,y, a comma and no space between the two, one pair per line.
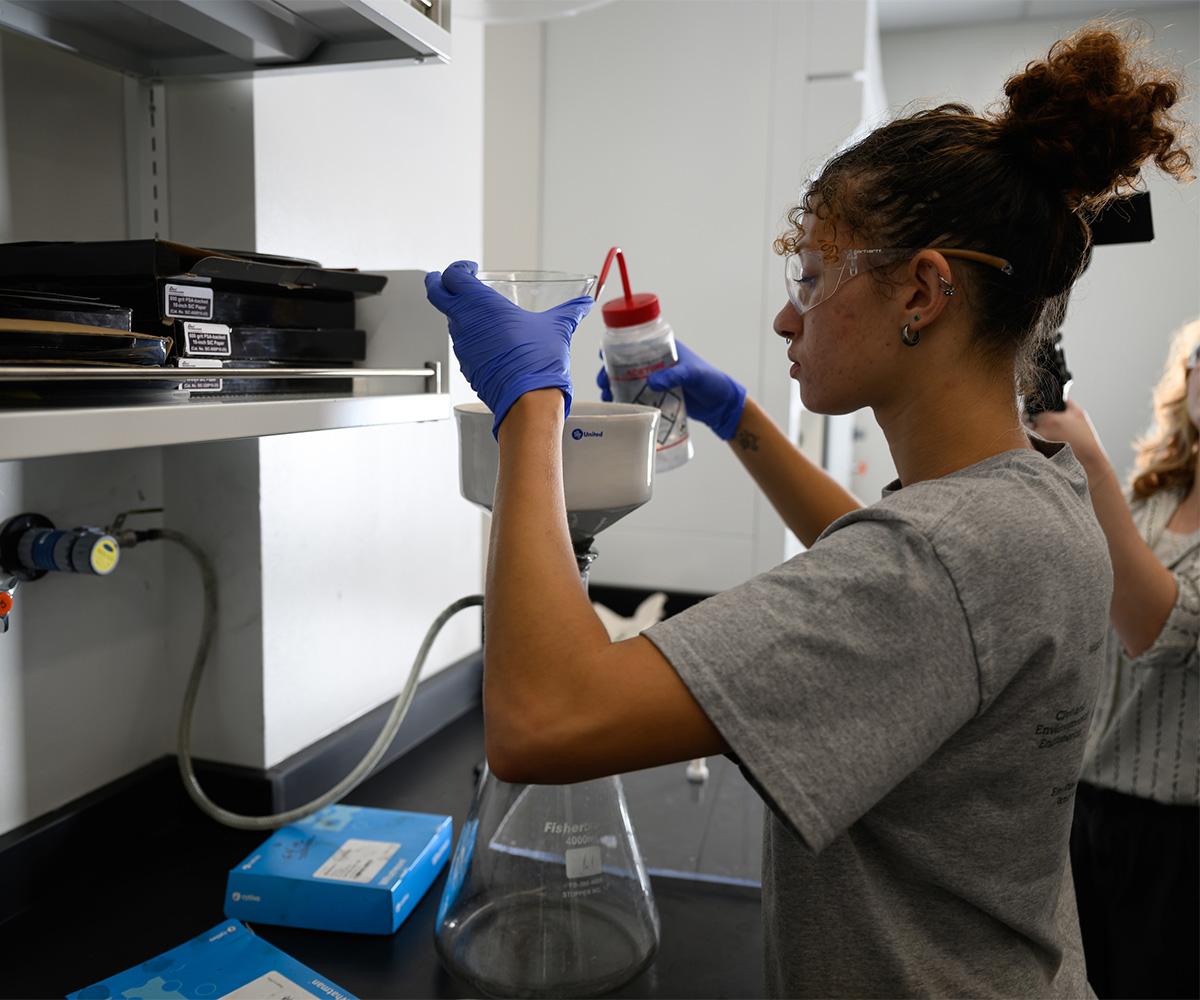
1089,115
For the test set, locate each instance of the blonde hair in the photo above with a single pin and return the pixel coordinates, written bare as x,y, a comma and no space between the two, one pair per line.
1166,454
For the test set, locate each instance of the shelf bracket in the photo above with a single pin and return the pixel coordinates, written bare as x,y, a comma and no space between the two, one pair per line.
434,384
146,194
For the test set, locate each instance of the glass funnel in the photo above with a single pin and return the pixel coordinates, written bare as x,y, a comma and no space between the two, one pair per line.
538,291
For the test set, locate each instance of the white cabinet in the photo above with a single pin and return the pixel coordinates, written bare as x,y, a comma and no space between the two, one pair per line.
183,154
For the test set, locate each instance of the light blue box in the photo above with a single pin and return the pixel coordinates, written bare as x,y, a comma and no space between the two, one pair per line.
345,868
228,961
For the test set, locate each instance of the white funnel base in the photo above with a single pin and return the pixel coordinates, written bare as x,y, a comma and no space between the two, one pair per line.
608,461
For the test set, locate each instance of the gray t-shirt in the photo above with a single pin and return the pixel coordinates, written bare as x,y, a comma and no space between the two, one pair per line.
911,698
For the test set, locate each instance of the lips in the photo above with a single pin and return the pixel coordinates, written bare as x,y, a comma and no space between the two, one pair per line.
795,371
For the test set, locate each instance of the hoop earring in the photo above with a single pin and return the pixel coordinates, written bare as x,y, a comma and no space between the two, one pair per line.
910,339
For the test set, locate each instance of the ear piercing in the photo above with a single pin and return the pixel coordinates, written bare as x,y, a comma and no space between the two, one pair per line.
947,288
911,338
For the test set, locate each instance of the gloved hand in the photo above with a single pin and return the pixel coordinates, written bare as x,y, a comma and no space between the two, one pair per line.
711,396
503,350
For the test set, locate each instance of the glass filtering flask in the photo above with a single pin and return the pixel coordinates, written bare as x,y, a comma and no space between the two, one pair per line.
547,894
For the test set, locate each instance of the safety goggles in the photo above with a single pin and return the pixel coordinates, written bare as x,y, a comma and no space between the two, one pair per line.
812,276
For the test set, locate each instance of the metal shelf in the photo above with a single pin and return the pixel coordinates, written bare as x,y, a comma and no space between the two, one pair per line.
161,39
29,373
44,431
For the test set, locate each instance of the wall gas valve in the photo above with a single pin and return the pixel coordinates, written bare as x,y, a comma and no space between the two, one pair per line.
31,547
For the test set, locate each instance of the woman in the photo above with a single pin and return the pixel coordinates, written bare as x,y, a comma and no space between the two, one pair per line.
1135,847
909,696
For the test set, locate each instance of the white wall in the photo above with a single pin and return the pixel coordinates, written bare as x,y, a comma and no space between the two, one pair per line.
84,693
1132,298
395,182
373,168
57,191
513,98
84,690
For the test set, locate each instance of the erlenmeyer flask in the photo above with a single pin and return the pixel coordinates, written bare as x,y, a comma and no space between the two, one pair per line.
547,895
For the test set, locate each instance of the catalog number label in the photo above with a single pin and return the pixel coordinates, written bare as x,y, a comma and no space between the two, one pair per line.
188,302
211,340
357,860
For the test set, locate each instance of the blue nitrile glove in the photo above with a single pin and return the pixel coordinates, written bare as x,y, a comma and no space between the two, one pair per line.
503,350
711,396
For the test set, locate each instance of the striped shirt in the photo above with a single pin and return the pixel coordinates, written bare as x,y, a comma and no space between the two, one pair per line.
1143,739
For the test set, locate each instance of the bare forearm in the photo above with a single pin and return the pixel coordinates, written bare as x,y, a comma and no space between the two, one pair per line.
805,496
539,623
1144,591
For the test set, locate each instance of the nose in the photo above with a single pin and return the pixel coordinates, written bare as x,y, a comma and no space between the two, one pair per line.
787,322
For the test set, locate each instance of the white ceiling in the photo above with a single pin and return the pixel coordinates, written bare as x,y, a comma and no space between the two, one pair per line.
905,15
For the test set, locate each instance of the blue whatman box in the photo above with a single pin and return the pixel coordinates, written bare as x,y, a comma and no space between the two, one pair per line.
227,962
345,868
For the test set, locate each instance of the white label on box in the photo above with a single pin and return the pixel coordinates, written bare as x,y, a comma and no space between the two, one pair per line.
202,384
357,860
583,861
187,302
209,339
270,986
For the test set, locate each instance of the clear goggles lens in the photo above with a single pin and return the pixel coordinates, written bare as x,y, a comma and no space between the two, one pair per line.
804,272
812,277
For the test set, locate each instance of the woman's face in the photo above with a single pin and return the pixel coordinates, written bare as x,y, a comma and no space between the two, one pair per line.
843,350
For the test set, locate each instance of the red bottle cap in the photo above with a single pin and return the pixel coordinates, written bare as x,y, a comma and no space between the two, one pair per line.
631,309
637,309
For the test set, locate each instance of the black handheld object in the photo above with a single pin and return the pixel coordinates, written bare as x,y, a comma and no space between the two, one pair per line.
1125,220
1052,379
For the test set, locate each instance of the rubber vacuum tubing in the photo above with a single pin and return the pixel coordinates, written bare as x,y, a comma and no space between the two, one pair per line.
208,628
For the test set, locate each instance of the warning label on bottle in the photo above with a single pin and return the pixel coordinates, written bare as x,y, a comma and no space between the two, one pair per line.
187,302
207,339
637,372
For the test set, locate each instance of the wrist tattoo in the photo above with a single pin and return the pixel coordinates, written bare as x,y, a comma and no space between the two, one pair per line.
748,441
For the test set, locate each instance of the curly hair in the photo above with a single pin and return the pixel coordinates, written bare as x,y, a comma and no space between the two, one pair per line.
1167,453
1022,183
